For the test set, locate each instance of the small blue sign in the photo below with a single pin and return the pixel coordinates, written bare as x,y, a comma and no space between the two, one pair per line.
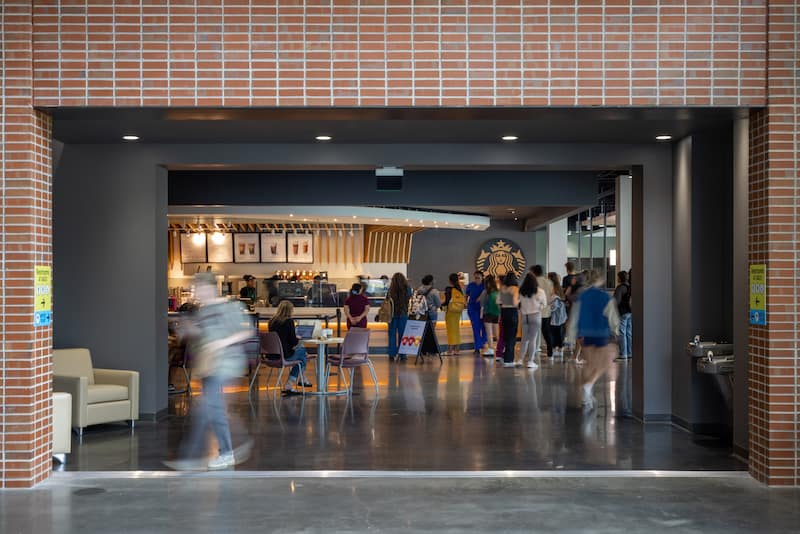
42,318
758,317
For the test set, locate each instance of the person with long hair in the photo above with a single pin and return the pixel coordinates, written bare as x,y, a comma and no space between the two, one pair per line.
454,304
490,312
532,300
547,286
508,299
399,293
558,316
594,321
283,324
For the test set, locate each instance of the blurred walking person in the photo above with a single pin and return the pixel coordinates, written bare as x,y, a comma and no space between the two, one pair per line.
594,321
215,335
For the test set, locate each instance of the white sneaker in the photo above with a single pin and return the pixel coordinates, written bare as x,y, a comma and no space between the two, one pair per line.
489,352
532,365
223,461
509,364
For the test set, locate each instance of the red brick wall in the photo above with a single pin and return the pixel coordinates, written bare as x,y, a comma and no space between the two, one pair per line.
774,240
423,53
25,224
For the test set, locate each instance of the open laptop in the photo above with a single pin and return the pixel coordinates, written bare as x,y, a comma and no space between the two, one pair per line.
305,331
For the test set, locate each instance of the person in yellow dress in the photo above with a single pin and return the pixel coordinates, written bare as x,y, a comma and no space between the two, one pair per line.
454,303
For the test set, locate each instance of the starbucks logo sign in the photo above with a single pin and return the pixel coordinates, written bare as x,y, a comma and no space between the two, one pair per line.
499,257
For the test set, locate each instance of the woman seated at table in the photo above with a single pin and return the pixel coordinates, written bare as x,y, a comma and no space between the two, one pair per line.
283,324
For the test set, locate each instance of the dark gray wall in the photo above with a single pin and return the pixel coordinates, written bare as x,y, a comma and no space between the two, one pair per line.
741,283
441,252
453,188
702,270
109,250
109,238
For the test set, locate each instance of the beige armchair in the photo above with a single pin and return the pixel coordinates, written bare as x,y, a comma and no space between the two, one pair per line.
98,395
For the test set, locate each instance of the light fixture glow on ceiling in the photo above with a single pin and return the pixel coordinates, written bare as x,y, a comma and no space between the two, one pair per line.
218,238
323,138
198,238
130,137
663,137
509,138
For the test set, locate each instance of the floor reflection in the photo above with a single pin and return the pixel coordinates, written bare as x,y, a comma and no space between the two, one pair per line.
463,414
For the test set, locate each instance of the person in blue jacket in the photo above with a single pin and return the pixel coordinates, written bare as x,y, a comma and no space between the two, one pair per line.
595,322
473,293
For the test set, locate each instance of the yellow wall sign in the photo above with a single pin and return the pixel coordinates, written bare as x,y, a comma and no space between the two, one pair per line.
42,304
758,294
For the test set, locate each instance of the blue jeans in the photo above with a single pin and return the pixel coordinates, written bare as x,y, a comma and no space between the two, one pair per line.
625,335
299,354
209,412
478,329
396,328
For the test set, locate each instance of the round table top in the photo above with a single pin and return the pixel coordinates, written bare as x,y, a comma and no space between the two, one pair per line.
328,341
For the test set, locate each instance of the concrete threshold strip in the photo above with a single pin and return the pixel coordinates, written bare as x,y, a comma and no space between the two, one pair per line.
70,476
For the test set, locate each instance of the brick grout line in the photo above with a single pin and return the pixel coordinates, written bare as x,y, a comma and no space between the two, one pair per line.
796,253
3,111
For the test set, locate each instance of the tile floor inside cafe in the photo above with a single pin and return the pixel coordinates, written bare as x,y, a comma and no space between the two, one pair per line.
465,414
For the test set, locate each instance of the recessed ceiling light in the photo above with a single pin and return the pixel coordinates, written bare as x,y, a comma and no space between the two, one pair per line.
509,138
663,137
291,215
130,137
376,220
516,218
336,220
323,138
355,216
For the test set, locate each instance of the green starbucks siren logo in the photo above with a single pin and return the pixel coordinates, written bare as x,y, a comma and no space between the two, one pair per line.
499,257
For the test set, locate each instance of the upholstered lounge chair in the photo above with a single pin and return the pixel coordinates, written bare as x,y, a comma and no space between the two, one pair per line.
98,395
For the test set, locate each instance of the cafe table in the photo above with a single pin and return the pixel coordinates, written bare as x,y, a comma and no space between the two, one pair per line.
322,363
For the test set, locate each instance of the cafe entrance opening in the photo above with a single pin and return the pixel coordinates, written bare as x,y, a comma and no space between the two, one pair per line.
306,219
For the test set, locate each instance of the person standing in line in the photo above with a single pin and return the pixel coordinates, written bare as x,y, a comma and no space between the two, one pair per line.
558,316
433,301
622,297
508,299
215,335
490,312
546,285
594,322
454,303
566,282
473,293
532,301
399,293
356,307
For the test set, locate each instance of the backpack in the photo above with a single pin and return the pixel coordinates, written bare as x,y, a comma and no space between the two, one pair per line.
559,312
386,311
457,301
418,306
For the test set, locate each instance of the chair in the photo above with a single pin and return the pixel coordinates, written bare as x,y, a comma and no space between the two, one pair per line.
98,395
271,346
354,353
62,425
179,358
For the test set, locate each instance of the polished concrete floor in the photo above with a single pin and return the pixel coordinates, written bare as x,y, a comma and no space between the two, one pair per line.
467,414
216,503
